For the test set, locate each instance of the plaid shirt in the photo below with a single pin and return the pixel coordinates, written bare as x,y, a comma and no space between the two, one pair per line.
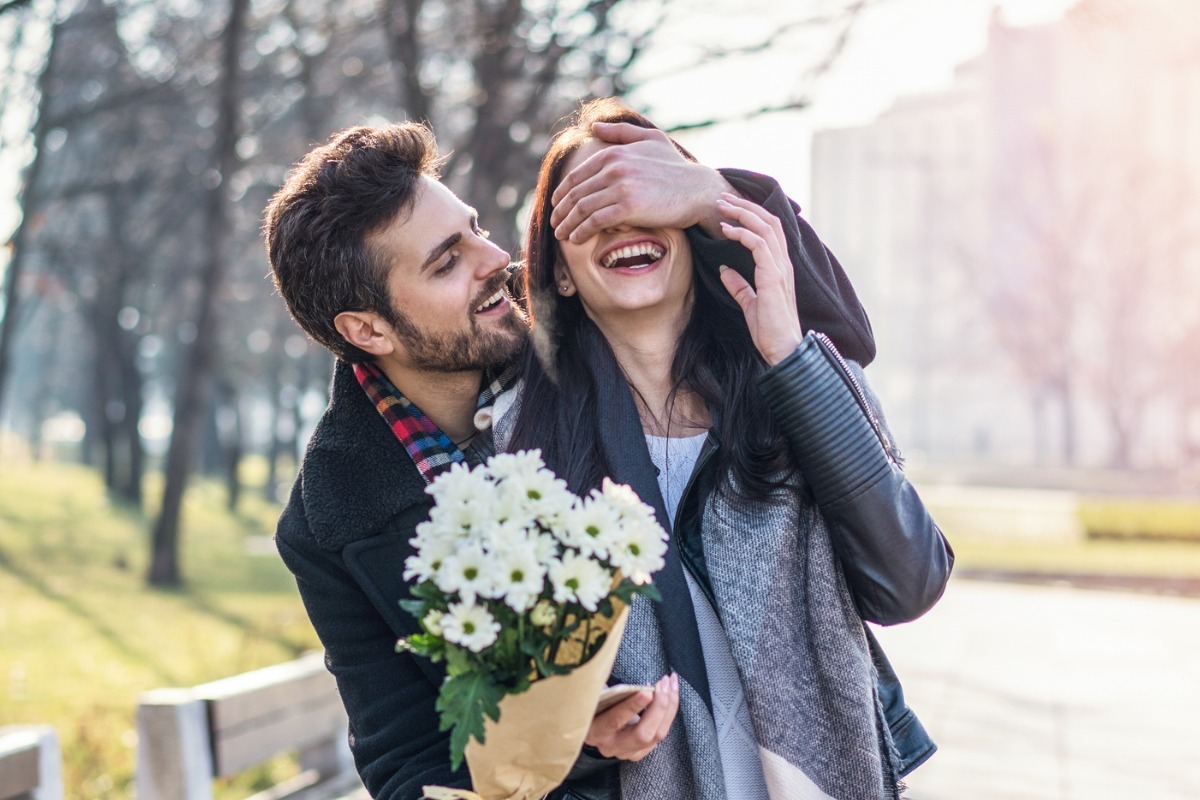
430,449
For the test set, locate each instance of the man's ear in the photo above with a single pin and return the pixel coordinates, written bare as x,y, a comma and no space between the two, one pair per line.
366,330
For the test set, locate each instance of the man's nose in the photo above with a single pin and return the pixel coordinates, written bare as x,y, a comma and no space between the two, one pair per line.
496,258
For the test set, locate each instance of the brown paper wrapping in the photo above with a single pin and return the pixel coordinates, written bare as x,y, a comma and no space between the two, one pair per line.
531,750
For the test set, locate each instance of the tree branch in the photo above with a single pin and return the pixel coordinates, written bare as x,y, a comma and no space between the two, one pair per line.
850,16
12,5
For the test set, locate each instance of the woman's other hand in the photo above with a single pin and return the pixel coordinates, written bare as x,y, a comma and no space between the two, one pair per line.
769,305
632,728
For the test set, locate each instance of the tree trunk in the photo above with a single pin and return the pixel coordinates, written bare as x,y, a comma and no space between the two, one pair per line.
274,443
18,245
194,387
134,457
232,447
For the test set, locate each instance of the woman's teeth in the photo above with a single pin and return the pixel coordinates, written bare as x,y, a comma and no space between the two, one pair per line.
642,254
491,301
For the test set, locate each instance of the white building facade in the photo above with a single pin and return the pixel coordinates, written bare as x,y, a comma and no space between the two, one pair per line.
1027,243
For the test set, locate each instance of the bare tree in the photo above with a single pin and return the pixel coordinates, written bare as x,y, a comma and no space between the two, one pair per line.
194,386
29,198
157,192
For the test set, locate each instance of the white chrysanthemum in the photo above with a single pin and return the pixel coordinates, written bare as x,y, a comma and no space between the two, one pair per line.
639,550
519,578
509,503
542,493
427,561
450,521
497,537
624,500
546,548
470,626
580,579
460,486
467,572
544,613
590,527
503,466
433,622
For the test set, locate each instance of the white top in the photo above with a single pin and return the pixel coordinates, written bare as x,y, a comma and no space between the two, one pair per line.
740,762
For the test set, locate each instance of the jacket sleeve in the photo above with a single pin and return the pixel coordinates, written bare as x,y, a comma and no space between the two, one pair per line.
389,698
895,558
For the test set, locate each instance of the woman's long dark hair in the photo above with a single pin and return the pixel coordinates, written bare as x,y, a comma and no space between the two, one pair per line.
715,358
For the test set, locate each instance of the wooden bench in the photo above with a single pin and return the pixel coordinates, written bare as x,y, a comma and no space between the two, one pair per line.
30,763
188,737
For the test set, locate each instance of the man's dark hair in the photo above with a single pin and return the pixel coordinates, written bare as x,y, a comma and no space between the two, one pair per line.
317,225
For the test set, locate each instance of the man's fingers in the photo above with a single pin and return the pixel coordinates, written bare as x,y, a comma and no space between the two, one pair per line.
579,174
575,207
578,206
580,226
624,132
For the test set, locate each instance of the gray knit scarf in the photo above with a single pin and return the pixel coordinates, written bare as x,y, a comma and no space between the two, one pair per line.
799,646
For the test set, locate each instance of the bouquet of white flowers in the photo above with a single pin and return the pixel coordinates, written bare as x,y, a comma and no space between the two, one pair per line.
519,580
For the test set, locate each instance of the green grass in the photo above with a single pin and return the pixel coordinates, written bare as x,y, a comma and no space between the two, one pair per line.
1135,558
82,636
1157,538
1133,518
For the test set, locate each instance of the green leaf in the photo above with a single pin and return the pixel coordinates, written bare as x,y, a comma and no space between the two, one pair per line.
463,701
418,608
650,591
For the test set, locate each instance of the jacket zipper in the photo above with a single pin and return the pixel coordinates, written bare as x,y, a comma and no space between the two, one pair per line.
856,388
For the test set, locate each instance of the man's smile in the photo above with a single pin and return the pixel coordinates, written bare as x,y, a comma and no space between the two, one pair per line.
497,303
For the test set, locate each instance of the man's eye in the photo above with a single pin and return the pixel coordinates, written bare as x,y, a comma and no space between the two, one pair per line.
444,269
486,234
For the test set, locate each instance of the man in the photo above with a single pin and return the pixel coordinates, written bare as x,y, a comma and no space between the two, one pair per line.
381,263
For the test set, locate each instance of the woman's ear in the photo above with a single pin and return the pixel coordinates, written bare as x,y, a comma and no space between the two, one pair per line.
562,280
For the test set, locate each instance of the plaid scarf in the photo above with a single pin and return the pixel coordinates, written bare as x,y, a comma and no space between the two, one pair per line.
430,449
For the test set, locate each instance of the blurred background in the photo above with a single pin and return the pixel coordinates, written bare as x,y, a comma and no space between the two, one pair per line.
1013,187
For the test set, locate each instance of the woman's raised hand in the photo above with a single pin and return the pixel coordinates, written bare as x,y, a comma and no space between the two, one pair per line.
769,305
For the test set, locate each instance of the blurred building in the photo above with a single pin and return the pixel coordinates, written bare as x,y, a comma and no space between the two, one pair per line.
1027,242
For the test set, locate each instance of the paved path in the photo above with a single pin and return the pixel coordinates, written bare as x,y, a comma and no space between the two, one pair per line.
1049,693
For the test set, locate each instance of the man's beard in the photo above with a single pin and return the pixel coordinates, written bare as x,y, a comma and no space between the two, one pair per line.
474,349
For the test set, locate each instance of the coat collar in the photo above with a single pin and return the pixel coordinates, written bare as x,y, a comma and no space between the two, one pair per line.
356,475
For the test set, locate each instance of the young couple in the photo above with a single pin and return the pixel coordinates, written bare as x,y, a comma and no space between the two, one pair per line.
687,334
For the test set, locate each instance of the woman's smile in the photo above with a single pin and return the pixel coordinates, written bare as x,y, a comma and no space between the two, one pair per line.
633,256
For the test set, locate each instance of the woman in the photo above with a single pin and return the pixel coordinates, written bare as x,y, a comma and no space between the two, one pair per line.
790,520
